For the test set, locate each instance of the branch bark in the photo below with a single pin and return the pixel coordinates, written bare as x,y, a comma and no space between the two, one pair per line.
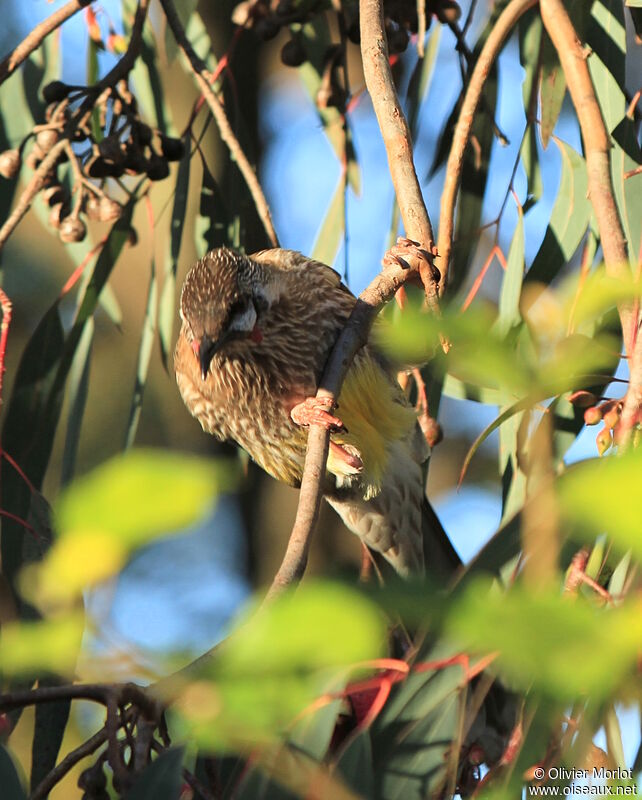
396,135
491,49
597,145
202,78
33,40
352,338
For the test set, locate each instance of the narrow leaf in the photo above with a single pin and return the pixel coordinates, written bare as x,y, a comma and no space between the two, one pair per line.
509,315
569,218
144,357
160,780
9,780
330,234
167,308
78,388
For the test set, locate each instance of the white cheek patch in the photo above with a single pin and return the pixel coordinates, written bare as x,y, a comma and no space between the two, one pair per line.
267,294
245,321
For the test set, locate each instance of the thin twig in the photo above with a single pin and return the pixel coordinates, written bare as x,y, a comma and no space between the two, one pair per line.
352,338
5,305
69,761
119,71
33,40
597,145
203,78
491,49
395,134
31,190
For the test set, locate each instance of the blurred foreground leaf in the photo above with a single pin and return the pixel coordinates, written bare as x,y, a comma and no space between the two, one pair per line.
29,648
560,646
277,662
119,506
602,495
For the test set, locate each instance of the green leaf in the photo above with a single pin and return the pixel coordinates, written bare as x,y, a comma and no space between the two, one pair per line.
625,158
11,786
123,504
161,779
29,648
185,10
49,730
331,232
569,218
598,495
413,734
316,38
92,77
213,225
78,388
561,648
307,643
144,356
606,36
167,307
509,315
530,43
356,765
552,90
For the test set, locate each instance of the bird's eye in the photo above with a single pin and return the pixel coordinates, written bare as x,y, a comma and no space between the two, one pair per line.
242,317
238,307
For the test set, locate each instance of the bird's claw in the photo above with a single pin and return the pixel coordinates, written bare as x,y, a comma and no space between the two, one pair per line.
316,411
409,254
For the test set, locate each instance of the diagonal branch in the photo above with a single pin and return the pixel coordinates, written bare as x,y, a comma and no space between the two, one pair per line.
33,40
491,49
355,334
597,145
202,78
396,134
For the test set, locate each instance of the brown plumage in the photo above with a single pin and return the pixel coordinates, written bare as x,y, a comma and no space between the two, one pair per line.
255,336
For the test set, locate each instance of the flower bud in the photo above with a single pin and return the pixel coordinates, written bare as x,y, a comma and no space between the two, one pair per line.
55,91
583,399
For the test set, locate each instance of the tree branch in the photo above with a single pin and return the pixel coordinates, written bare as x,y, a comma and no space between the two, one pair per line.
597,145
119,71
396,134
33,40
202,78
31,190
491,49
352,338
92,744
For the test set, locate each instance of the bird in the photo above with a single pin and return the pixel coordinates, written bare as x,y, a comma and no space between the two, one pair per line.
256,332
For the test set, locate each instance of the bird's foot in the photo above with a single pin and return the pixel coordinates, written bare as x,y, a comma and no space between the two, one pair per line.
316,411
410,255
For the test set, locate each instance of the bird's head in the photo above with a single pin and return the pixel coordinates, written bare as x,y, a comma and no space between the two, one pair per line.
223,297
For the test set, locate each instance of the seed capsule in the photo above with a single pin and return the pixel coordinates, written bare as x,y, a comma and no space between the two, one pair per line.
72,229
46,140
109,210
53,195
10,164
293,53
583,399
593,415
173,149
157,168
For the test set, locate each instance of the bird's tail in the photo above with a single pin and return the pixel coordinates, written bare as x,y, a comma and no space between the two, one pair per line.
440,557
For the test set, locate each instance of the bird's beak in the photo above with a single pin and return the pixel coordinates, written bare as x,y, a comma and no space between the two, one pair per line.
206,351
